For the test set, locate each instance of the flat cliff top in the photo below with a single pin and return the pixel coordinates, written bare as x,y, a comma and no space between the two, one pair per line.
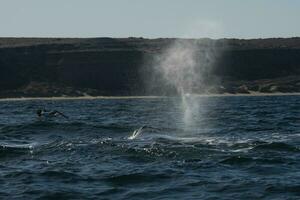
146,44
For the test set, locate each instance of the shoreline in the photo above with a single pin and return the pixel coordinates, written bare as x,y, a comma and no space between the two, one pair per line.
140,97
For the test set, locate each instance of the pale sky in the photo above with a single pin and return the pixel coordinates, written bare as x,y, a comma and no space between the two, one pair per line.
150,18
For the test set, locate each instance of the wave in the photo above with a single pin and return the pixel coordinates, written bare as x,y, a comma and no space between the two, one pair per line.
246,160
136,178
63,125
11,151
60,175
233,160
276,146
38,125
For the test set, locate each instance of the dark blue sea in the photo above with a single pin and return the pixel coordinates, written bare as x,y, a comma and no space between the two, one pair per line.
230,147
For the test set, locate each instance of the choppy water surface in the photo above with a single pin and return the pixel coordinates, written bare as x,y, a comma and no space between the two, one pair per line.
236,148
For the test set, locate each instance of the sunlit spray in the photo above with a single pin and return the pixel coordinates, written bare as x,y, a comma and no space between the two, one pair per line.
185,65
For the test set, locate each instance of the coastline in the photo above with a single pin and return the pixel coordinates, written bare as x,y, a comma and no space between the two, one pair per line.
141,97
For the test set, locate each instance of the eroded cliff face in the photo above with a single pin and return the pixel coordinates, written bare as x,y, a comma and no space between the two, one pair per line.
107,66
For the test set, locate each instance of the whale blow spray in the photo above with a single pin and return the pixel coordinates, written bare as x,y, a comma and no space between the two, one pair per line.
185,65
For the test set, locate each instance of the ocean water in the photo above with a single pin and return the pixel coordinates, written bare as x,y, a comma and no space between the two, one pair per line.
239,147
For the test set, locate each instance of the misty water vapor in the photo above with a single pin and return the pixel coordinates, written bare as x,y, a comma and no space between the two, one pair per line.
186,65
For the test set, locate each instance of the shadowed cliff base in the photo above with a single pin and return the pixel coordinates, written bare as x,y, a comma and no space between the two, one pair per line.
45,67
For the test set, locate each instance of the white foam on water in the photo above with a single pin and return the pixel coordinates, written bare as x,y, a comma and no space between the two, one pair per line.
136,133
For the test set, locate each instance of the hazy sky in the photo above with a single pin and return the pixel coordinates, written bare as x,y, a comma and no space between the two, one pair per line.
150,18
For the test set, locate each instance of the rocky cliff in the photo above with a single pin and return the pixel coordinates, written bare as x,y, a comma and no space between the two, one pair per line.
110,66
